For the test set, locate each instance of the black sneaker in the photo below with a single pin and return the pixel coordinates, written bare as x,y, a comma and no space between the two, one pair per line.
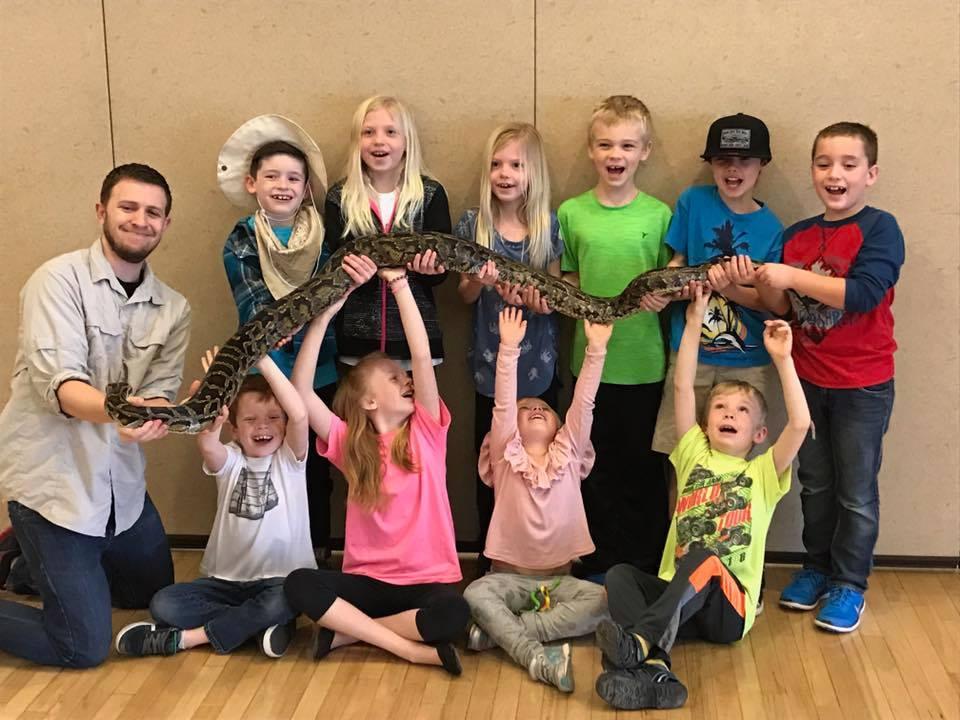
449,658
145,638
619,647
322,640
275,640
649,686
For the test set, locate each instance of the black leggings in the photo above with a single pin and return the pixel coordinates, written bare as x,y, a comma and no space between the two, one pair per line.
704,600
442,612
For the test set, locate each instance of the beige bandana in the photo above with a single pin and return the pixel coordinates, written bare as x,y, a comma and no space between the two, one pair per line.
286,268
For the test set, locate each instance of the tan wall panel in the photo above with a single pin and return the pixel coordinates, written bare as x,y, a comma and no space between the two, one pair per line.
55,134
801,66
181,89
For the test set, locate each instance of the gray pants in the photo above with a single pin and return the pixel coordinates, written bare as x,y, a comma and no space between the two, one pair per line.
498,600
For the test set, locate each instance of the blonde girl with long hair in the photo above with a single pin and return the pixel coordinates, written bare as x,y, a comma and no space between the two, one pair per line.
386,189
513,219
387,433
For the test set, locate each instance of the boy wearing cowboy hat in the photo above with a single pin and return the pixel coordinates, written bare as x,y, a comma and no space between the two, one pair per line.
274,170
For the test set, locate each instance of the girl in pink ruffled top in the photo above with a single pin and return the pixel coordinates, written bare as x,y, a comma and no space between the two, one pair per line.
539,527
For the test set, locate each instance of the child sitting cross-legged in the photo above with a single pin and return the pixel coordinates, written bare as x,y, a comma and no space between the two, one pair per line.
538,526
712,564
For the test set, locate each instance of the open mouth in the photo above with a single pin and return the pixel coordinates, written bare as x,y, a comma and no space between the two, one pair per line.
407,394
380,153
837,190
727,429
282,198
262,439
616,170
506,186
733,182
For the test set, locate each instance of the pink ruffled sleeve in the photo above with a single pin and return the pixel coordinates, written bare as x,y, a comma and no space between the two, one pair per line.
574,437
503,425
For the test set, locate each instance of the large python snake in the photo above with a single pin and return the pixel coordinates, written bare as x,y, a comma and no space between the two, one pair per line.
279,320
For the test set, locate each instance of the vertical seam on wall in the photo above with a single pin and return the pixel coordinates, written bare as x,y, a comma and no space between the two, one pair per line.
106,68
535,63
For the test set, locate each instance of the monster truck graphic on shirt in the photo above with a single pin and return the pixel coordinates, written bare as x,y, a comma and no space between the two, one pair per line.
713,512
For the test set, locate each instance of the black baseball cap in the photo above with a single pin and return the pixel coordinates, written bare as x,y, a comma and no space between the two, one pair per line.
739,134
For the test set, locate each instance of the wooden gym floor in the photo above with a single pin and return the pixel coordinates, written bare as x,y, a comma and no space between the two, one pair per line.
904,662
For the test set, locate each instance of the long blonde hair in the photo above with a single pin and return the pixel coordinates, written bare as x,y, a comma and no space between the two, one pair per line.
534,211
356,187
363,463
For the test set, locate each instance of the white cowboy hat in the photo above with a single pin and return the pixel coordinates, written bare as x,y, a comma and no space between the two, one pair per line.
233,163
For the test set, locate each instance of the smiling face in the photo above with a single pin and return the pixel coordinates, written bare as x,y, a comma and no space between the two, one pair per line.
841,175
279,186
617,150
388,391
536,421
382,148
734,421
133,220
508,176
260,424
735,178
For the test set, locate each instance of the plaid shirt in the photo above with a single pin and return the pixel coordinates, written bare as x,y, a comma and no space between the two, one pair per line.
250,292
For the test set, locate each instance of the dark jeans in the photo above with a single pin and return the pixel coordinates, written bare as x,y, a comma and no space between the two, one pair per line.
839,465
442,612
704,600
625,495
319,482
77,577
230,612
482,419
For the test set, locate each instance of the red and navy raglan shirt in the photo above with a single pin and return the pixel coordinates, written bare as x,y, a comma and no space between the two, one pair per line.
852,347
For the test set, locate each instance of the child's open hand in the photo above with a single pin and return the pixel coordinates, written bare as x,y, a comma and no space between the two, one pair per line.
652,302
512,326
487,274
775,275
740,270
426,263
360,268
510,293
717,276
778,339
207,359
699,297
534,301
597,335
215,427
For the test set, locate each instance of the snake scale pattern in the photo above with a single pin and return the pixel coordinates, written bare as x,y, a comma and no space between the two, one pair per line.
279,320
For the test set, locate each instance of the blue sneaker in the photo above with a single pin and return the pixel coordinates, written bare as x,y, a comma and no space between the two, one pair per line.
805,590
842,610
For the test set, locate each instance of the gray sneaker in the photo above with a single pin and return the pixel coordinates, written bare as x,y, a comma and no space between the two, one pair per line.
478,640
554,667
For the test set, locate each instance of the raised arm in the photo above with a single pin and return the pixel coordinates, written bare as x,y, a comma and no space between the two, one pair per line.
503,424
360,269
684,399
424,379
778,339
579,418
298,428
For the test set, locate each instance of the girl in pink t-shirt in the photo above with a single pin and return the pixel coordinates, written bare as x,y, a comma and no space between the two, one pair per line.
538,527
388,436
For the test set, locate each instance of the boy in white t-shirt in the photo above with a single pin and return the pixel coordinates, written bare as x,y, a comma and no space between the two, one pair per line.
260,534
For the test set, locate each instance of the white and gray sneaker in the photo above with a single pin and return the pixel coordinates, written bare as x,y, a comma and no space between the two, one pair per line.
554,667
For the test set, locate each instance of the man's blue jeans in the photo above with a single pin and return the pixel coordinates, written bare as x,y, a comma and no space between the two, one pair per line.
230,612
77,577
839,465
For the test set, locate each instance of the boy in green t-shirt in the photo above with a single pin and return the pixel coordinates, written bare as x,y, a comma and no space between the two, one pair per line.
712,565
611,234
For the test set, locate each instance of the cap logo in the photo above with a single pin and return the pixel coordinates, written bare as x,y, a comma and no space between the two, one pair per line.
735,139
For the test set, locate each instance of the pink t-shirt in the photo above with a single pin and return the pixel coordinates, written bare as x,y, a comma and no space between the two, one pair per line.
538,517
408,539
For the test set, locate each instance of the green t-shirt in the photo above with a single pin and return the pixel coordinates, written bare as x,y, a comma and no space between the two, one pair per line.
609,247
724,504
